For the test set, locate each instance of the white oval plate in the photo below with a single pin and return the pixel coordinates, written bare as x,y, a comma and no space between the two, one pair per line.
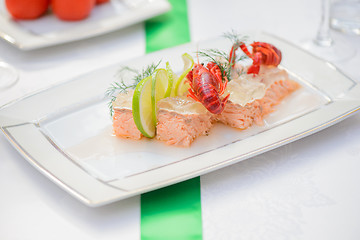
70,142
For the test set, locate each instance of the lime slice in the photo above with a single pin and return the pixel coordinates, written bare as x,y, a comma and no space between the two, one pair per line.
181,86
142,108
171,77
160,88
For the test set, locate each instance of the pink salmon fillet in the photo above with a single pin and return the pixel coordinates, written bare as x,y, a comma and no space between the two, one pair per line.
242,117
124,125
181,120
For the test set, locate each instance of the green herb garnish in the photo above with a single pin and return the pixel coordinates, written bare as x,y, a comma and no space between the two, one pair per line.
222,58
121,86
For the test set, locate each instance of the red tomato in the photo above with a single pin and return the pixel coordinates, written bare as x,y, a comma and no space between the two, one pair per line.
27,9
72,10
101,1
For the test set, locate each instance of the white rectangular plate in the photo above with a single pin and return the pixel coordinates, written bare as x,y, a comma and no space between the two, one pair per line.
65,131
49,30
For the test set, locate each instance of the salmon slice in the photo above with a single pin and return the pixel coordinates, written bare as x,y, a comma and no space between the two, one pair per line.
258,96
123,121
124,125
181,120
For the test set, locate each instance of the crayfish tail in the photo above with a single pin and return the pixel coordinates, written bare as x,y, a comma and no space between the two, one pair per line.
192,95
225,99
223,104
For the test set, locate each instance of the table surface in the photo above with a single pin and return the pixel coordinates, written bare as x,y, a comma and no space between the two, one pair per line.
303,190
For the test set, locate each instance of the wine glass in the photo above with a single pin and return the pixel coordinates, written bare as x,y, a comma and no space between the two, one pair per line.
8,75
323,45
345,16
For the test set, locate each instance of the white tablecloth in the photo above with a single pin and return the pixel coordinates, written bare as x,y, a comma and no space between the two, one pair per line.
304,190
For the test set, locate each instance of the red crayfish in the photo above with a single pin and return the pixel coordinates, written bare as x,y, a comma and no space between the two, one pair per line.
206,86
262,53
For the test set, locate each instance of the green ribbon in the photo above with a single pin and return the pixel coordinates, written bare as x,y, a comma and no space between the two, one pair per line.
172,212
168,30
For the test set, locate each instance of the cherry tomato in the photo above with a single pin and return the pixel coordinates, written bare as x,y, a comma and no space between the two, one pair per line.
72,10
101,1
27,9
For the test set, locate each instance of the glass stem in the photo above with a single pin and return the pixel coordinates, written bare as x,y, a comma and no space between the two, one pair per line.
323,37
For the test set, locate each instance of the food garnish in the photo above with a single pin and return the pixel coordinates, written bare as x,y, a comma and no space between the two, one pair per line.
206,86
262,53
182,86
121,86
142,108
161,88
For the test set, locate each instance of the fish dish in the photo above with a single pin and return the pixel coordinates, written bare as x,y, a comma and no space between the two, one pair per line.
238,89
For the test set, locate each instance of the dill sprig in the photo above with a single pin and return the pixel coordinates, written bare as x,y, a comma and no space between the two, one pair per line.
215,55
235,38
145,72
121,86
221,58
